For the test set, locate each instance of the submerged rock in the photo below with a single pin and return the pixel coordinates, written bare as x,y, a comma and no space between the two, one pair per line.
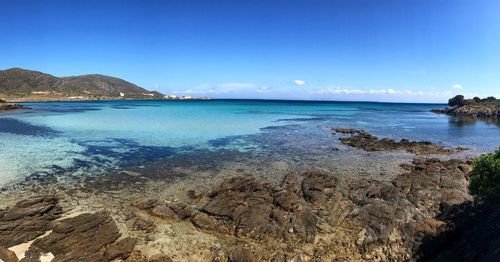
368,142
11,106
349,131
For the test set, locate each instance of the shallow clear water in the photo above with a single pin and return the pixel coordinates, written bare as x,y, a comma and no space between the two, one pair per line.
95,136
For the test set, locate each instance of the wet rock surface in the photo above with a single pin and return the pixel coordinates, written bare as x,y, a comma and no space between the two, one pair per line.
362,139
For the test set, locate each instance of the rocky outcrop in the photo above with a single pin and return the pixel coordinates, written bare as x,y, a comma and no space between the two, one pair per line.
86,237
7,255
347,131
403,212
82,238
249,208
385,220
362,139
10,106
483,109
28,219
472,234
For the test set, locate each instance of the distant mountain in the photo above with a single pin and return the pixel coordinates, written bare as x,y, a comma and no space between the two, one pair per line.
17,82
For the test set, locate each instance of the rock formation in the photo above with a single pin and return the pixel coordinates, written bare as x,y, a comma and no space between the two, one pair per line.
488,108
385,220
86,237
10,106
361,139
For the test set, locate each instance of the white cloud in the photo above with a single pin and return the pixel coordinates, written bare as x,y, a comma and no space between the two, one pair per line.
220,89
385,92
340,90
263,89
157,85
457,86
299,82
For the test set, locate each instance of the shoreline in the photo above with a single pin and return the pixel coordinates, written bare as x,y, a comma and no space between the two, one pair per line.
98,99
158,206
4,107
487,109
65,99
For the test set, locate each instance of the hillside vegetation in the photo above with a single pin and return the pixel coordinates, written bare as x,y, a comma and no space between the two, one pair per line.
476,107
17,82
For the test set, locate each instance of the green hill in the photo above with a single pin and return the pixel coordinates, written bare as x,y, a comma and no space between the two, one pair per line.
18,83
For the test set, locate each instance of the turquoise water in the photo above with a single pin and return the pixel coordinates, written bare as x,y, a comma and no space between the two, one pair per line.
80,137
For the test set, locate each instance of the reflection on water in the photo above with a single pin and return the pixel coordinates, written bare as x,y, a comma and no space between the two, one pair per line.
462,121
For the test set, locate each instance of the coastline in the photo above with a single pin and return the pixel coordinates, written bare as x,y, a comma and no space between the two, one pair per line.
486,109
11,106
35,100
164,210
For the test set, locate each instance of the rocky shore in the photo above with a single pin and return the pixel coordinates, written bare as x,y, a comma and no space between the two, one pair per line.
10,106
311,215
361,139
488,108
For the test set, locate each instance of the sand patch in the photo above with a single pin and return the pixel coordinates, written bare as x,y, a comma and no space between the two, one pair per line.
21,249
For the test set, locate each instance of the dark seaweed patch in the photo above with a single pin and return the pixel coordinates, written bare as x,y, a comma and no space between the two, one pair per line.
14,126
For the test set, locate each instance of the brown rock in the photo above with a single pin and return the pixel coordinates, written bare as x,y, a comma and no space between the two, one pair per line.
220,224
144,225
164,211
145,205
7,255
369,142
80,238
28,219
137,256
318,187
120,250
160,258
182,210
241,254
247,207
347,130
304,226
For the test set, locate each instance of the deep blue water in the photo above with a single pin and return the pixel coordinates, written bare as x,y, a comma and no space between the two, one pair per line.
102,134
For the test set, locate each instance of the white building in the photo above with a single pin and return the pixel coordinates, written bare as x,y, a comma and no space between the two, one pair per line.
170,97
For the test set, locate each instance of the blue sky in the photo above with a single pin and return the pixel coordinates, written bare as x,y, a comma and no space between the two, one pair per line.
408,50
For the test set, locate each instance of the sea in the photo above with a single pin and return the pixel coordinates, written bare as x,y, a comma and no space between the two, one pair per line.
97,136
